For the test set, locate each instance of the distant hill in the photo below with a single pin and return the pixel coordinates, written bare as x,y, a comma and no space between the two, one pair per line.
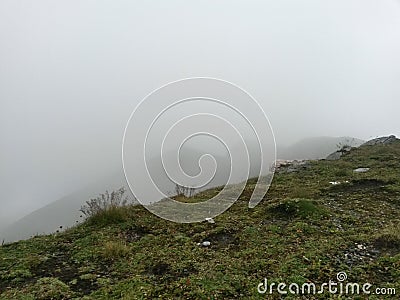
65,211
315,147
62,212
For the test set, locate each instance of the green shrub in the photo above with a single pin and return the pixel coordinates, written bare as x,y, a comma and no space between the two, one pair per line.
110,215
302,208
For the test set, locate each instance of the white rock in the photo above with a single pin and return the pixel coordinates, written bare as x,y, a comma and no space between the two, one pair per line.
361,170
334,182
361,247
210,220
206,243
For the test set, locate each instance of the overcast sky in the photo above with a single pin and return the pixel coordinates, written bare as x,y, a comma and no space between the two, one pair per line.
71,72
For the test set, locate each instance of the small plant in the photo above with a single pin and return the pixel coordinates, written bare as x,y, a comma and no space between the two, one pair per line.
108,208
292,208
115,249
105,202
185,191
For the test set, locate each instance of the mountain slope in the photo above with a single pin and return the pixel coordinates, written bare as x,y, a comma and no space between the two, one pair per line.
65,211
305,231
316,147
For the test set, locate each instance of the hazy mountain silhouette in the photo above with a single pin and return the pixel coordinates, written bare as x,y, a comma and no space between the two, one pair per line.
316,147
65,211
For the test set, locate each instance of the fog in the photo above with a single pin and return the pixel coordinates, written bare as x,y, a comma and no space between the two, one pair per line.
71,73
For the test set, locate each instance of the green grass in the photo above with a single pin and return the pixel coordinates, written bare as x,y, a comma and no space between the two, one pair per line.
115,249
389,238
301,232
110,215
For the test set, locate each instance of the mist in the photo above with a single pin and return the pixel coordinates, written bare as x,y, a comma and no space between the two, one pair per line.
72,72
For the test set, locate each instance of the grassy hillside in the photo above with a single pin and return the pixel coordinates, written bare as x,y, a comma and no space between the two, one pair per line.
306,230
